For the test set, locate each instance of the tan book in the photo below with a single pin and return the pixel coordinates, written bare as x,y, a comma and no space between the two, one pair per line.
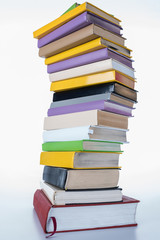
70,179
79,37
58,196
92,117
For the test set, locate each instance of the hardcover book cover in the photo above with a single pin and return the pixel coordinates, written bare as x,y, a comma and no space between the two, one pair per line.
101,105
70,15
76,24
43,206
88,47
87,58
115,88
100,66
93,79
80,37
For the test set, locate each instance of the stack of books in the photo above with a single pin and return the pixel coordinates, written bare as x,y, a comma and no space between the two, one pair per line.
93,82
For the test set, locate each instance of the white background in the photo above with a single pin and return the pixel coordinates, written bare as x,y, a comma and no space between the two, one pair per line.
25,98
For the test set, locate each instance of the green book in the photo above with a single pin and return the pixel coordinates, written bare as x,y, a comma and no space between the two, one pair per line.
82,145
72,7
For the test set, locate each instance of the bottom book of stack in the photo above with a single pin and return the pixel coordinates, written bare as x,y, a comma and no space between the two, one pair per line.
57,213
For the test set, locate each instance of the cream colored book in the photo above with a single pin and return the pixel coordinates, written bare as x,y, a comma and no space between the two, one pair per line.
92,117
101,66
59,196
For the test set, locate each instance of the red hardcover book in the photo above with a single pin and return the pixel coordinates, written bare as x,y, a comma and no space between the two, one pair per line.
78,217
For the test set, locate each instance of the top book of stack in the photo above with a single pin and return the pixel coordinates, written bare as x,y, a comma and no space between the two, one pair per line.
41,32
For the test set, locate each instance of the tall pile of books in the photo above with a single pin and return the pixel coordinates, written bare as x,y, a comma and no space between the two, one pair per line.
93,82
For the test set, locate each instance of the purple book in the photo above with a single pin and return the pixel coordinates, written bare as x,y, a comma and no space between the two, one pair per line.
100,104
87,58
77,23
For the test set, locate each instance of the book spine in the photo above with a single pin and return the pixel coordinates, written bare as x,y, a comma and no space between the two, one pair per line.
57,159
68,102
55,176
63,146
76,51
86,106
82,70
76,108
88,58
69,27
89,80
84,92
71,120
94,56
67,134
42,206
41,32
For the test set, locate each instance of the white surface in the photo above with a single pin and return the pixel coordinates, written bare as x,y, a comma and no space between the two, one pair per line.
25,98
18,220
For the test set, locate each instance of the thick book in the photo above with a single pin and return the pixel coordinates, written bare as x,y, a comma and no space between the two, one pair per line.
115,88
101,66
85,133
77,38
92,117
93,79
81,179
78,23
41,32
78,217
80,160
95,56
88,47
99,104
82,145
59,196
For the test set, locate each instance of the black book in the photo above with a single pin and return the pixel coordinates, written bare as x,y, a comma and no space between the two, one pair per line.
116,88
75,179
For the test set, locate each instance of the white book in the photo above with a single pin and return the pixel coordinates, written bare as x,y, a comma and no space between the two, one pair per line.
59,196
105,65
80,217
87,133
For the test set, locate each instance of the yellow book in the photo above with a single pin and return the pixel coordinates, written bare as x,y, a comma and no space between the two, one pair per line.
93,79
90,46
80,160
41,32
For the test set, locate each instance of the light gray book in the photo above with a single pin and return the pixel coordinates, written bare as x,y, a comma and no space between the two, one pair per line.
110,97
